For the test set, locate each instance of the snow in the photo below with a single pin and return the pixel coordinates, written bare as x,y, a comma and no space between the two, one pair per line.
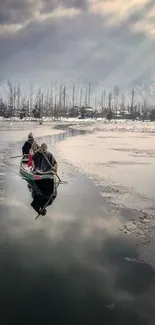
120,159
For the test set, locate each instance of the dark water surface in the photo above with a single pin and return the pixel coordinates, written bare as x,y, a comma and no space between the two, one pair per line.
69,267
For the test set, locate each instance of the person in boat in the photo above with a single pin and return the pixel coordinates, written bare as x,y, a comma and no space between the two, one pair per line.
27,145
32,151
43,160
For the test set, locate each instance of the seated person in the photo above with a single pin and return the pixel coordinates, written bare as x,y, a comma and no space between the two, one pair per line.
32,151
27,145
43,160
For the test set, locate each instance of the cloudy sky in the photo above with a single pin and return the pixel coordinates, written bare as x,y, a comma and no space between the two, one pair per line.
106,42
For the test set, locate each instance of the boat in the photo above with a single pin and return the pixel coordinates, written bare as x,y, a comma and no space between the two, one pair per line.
40,183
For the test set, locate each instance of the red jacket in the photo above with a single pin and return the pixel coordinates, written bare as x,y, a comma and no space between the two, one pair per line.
30,159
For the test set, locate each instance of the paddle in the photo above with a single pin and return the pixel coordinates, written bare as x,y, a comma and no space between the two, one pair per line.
44,207
15,157
61,182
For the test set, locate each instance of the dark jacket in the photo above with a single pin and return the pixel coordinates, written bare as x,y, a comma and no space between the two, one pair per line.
41,163
26,147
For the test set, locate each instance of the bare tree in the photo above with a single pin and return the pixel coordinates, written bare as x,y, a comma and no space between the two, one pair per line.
122,106
47,104
116,94
67,102
73,96
104,98
10,98
55,100
42,104
86,95
39,102
64,99
23,102
89,94
81,97
132,102
18,97
14,98
30,100
110,101
103,104
50,99
109,113
60,101
144,107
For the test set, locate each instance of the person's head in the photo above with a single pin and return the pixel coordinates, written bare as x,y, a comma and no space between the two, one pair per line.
34,146
30,138
43,147
30,135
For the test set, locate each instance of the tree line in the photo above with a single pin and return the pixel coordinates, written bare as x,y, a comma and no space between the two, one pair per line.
57,101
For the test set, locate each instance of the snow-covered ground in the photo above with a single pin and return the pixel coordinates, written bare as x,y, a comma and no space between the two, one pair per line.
115,125
120,158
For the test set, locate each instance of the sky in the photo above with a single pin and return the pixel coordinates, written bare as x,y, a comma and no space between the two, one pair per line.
106,42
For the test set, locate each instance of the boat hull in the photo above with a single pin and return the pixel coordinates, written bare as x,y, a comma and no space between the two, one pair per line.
41,184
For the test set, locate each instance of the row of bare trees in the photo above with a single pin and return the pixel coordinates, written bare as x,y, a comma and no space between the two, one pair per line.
58,100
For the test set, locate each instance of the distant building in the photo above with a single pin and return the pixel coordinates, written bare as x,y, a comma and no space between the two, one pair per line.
73,112
86,112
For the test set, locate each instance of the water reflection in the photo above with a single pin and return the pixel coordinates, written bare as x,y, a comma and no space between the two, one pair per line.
72,267
45,196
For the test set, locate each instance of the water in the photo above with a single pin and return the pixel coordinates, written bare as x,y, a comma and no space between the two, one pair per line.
72,266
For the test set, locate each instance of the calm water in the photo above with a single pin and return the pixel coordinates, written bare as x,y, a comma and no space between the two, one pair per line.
69,267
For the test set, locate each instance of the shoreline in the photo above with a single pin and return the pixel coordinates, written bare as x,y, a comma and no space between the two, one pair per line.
122,165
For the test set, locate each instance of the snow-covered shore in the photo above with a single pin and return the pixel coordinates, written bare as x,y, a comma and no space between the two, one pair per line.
120,158
116,125
127,160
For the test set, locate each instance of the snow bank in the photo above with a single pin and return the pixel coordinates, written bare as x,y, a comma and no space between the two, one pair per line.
118,125
122,163
127,159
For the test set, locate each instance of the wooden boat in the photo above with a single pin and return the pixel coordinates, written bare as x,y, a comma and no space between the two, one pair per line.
41,183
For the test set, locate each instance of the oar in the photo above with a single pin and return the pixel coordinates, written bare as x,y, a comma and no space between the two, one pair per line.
15,157
46,203
60,181
44,207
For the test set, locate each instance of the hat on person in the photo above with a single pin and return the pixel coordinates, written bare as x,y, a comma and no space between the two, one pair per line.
30,135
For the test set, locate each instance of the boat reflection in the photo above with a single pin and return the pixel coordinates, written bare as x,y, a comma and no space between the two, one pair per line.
44,197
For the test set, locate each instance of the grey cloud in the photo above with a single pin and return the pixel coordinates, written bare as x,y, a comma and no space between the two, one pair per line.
19,11
52,4
16,11
149,5
81,48
141,13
